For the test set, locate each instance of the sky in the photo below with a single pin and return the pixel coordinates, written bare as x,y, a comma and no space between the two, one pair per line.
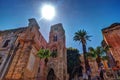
90,15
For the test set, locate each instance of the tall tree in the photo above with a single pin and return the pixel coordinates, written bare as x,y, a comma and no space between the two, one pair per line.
82,37
98,53
73,61
44,53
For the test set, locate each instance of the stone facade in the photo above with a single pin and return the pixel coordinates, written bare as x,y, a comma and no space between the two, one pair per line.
18,53
111,61
57,43
111,37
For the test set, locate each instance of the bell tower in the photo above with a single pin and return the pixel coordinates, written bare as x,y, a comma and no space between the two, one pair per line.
58,60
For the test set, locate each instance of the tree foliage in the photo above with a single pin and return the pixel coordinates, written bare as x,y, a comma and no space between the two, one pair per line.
73,59
81,36
98,53
54,54
43,53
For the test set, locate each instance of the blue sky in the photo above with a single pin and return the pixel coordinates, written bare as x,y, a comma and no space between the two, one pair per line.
91,15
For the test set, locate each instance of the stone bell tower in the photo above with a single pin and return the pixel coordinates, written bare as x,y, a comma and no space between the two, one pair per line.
57,65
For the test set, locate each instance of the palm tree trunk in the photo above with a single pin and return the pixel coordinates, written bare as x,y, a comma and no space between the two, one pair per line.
98,60
85,59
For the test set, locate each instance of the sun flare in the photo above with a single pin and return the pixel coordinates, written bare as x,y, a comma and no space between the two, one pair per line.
48,12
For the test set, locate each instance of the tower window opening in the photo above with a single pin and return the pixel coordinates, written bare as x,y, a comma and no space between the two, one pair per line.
55,38
54,53
39,70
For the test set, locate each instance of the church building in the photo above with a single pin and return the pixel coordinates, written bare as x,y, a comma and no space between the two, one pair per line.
18,53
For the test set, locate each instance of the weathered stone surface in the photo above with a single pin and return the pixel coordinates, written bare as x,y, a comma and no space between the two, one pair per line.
20,53
111,36
59,63
57,42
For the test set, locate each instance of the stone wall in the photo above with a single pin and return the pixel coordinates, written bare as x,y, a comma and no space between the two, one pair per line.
27,44
57,42
6,52
111,36
20,55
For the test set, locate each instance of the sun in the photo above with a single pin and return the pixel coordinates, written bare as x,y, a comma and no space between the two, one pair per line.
48,12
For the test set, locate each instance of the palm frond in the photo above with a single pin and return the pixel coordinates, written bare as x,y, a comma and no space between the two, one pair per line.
81,36
92,52
43,53
91,49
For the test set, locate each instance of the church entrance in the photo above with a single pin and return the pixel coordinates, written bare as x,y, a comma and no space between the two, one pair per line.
51,75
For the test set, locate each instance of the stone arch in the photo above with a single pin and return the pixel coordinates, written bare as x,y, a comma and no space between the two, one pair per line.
51,75
54,46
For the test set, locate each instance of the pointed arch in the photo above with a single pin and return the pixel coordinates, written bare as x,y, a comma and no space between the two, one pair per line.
51,75
55,38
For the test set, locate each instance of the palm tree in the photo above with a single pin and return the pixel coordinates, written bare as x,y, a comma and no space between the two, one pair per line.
82,37
44,53
97,53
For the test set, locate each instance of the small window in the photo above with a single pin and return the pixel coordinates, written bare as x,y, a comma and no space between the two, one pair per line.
39,70
6,43
55,38
54,53
56,28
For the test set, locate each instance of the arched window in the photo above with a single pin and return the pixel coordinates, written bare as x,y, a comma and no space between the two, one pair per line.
6,43
39,70
54,53
55,38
